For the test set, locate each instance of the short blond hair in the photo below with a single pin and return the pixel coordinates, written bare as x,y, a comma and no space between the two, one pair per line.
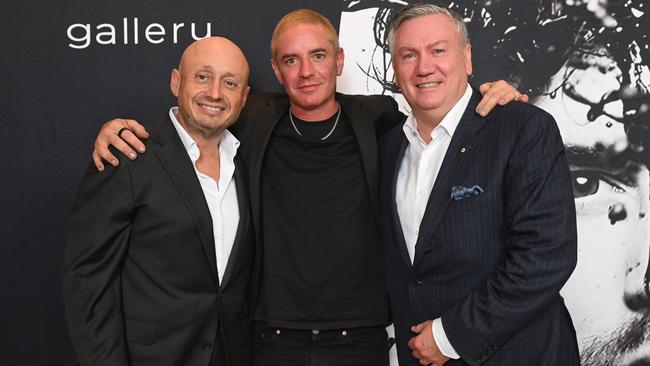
303,16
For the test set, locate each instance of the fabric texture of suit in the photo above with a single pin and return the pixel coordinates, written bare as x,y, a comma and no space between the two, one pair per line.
140,278
490,264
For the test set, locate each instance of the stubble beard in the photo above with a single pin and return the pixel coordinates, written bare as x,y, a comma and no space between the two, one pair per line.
208,132
612,348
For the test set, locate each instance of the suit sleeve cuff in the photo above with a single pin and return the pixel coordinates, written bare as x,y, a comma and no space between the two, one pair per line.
441,340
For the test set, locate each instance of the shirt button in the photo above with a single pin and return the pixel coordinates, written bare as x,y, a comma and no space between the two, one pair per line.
417,232
315,332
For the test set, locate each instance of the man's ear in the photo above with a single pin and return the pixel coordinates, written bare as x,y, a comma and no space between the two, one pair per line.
276,71
468,59
175,82
395,79
244,95
340,60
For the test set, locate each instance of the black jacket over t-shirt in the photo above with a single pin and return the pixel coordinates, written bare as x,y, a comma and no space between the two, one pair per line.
314,207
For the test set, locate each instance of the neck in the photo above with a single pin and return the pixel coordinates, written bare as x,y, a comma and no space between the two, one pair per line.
207,140
209,161
208,146
425,122
319,113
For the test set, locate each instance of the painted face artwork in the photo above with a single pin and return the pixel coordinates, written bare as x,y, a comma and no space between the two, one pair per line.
586,63
606,294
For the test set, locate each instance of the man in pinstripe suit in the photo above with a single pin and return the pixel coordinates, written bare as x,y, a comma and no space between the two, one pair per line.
478,214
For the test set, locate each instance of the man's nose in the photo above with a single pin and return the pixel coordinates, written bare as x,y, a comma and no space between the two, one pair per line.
425,65
306,69
214,91
637,301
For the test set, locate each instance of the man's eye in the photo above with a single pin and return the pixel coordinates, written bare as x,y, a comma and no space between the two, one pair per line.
408,56
202,77
290,61
319,56
588,182
230,84
439,51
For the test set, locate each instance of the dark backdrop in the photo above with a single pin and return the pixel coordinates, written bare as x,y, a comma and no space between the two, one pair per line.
55,97
54,100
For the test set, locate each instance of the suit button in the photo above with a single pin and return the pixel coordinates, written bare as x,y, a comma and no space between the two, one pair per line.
206,346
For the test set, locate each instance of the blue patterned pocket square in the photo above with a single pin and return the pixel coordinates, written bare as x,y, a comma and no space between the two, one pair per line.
460,192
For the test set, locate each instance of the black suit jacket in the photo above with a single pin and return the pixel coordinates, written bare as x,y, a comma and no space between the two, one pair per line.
490,265
140,280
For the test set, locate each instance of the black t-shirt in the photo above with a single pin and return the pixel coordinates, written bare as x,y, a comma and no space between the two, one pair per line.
322,266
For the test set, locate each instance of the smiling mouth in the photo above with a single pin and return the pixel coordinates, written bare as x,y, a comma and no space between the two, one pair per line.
212,108
429,85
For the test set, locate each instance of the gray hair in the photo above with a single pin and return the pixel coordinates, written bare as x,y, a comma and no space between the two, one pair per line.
421,9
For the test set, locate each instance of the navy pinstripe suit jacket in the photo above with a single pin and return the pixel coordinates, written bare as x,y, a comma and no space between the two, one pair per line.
491,265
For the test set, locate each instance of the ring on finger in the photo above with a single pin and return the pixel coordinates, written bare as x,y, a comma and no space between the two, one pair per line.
119,133
517,95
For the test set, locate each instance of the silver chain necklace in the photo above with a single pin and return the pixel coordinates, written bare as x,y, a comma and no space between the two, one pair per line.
322,138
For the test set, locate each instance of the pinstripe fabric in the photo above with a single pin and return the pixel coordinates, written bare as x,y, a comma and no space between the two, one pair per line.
491,265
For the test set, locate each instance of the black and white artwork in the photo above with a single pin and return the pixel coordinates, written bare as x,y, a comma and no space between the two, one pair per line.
587,63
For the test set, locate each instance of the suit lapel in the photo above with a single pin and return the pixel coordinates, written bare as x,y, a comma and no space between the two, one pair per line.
364,132
242,228
395,220
261,135
178,165
462,150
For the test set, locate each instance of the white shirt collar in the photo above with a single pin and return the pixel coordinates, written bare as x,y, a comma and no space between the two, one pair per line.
228,145
448,123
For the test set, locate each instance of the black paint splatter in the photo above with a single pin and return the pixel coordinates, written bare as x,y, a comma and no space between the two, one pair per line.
527,42
617,213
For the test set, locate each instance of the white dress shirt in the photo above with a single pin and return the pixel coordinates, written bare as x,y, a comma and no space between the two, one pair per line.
415,180
221,196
